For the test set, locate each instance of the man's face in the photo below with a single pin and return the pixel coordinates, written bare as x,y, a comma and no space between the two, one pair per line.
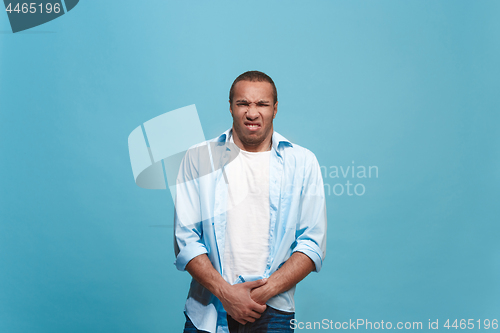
253,112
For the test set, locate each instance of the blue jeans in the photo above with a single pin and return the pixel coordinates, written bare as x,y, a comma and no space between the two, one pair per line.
270,321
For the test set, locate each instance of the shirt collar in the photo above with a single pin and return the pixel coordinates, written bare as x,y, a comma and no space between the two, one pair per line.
278,140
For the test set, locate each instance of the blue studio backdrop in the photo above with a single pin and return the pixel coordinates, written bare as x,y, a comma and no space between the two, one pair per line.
397,99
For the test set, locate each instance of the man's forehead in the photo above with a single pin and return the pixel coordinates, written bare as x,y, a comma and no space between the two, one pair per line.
253,89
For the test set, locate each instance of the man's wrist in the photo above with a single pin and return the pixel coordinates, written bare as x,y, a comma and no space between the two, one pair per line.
222,291
273,288
270,289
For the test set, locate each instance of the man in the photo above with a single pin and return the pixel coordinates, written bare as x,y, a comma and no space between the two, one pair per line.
250,218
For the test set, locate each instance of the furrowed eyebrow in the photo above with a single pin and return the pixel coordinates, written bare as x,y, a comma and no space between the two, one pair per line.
240,101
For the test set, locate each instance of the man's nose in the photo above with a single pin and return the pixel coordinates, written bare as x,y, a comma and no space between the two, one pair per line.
252,112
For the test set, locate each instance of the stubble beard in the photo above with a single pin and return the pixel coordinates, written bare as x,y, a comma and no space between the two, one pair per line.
251,140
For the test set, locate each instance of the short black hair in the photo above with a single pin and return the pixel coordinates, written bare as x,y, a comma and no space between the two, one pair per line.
254,76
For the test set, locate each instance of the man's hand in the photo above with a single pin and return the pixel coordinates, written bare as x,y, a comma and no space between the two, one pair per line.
261,294
292,272
235,298
238,303
245,302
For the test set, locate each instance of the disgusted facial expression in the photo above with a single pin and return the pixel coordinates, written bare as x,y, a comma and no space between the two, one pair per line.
253,110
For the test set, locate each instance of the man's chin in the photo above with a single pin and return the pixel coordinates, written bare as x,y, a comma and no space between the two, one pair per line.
252,140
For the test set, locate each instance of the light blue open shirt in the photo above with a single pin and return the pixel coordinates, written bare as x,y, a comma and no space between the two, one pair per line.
297,218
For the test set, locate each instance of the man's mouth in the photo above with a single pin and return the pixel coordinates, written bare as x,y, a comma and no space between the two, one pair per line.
252,127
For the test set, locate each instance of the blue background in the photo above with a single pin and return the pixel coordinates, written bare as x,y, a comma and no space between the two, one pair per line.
408,86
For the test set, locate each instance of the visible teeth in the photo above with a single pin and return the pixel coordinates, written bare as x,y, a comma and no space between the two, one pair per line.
253,125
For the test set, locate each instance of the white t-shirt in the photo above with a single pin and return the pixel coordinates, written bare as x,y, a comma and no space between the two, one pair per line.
247,231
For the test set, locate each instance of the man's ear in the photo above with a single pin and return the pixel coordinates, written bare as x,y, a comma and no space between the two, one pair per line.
275,109
230,109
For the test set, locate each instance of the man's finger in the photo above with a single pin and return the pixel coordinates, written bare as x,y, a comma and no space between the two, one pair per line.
259,308
255,284
254,315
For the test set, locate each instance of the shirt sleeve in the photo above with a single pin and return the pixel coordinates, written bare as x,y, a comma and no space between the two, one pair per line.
188,231
311,227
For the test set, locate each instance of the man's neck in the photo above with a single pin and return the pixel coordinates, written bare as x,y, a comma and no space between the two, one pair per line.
259,147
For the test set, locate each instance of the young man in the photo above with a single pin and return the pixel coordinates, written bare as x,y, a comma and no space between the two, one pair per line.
250,218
